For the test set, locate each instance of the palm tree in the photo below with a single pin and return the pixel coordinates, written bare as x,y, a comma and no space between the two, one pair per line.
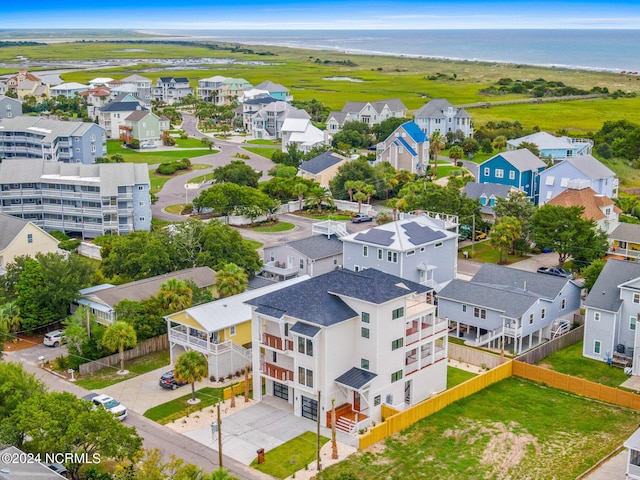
175,295
506,231
300,189
360,197
10,317
436,143
499,142
231,280
191,367
318,196
369,190
118,336
350,186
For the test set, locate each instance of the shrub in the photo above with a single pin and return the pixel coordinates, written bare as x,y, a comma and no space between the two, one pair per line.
69,245
134,143
169,141
167,169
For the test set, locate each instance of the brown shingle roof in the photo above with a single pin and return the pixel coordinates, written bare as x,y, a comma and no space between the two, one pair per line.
587,198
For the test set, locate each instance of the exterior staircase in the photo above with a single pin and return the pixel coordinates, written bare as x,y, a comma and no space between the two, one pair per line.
345,425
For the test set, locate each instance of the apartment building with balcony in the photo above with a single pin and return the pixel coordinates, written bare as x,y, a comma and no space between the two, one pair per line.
26,137
266,122
359,338
170,90
509,307
421,248
80,200
220,330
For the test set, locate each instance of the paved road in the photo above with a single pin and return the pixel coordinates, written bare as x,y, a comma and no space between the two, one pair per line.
174,191
154,435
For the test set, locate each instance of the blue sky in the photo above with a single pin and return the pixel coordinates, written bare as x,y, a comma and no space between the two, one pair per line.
332,14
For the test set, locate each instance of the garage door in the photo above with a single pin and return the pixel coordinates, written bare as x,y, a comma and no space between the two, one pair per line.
281,391
309,408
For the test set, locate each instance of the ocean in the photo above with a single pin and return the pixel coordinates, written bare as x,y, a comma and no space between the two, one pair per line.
612,50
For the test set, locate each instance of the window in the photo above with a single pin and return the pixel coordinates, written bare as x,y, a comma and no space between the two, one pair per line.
499,173
364,364
395,376
309,378
397,313
596,316
422,249
531,319
365,317
356,268
549,181
376,400
286,329
563,304
411,252
437,245
596,346
232,330
636,298
392,256
543,313
272,256
487,171
140,188
379,254
29,238
479,312
364,332
301,263
396,344
274,357
365,251
141,204
305,377
92,137
335,259
301,375
464,308
512,175
305,346
632,323
141,219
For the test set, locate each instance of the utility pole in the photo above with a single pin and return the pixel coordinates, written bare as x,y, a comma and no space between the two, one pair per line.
219,437
318,466
473,234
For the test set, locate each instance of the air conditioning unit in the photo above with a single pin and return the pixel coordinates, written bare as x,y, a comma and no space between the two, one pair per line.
338,267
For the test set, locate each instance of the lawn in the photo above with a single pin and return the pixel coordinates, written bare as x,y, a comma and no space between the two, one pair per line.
175,209
153,156
512,429
178,408
262,151
278,227
288,458
254,244
158,181
569,360
109,376
262,141
326,216
484,252
455,376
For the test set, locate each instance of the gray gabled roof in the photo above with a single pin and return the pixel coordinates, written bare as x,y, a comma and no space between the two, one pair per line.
522,159
318,300
355,378
122,107
317,246
269,86
475,190
545,286
305,329
627,232
433,109
591,167
604,294
10,227
322,162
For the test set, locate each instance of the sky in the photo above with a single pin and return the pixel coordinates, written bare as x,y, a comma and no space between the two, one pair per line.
313,14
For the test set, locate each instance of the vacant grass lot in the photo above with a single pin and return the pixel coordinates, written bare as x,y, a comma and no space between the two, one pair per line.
570,361
178,408
484,252
109,376
511,430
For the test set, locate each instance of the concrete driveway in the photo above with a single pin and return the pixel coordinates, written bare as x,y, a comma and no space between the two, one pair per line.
267,424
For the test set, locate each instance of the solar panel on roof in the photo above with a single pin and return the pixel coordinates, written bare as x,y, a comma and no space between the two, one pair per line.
379,237
419,234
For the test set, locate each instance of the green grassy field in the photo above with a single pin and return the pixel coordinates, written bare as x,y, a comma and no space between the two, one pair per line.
291,456
484,252
262,151
512,429
152,157
455,376
305,73
158,181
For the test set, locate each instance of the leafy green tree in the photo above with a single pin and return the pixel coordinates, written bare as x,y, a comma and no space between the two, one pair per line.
285,189
146,317
356,170
207,142
592,272
505,233
118,336
436,143
283,171
486,146
516,205
224,244
319,196
231,280
59,422
456,153
175,295
191,367
135,256
421,195
229,198
532,147
16,386
470,146
10,318
237,172
353,135
77,329
499,143
564,230
385,128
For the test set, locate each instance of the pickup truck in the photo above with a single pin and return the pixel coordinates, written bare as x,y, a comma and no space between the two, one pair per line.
557,271
361,217
108,403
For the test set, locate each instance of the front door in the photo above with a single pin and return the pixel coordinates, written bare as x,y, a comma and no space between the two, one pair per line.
356,402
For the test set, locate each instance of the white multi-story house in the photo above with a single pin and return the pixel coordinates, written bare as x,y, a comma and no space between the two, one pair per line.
68,90
302,133
420,248
360,339
251,106
208,89
143,87
78,199
371,113
170,90
267,122
27,137
439,115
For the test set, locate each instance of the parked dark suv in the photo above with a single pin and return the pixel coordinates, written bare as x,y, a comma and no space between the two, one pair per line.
167,380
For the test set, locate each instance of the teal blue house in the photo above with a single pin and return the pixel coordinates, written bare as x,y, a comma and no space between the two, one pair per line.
518,168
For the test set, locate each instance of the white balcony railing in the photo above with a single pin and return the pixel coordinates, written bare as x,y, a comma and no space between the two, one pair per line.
279,268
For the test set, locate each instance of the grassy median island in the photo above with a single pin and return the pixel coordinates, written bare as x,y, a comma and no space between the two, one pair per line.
512,429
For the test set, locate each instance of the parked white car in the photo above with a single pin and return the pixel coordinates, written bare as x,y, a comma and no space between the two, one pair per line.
53,338
108,403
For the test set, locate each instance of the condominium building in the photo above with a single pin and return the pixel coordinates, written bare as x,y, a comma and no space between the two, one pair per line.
51,140
82,200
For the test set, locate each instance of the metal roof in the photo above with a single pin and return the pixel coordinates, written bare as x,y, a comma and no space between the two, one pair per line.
305,329
356,378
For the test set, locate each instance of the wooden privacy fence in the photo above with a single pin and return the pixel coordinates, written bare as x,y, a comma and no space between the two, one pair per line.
150,345
411,415
552,346
578,386
237,389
